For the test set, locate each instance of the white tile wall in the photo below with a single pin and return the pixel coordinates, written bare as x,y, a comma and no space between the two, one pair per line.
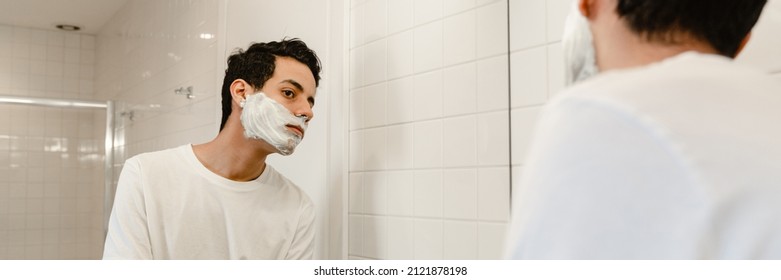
401,193
536,75
427,144
428,193
375,61
400,54
51,160
401,15
460,85
375,19
456,6
493,137
458,37
492,16
400,138
460,194
427,46
375,193
435,86
527,23
400,238
529,77
428,95
374,105
428,239
375,243
427,10
375,153
400,101
459,136
460,240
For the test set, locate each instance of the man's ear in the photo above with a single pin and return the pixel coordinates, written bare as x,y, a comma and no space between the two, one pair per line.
742,44
239,90
585,7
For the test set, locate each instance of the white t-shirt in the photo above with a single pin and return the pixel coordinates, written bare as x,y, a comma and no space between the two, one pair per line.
680,159
169,206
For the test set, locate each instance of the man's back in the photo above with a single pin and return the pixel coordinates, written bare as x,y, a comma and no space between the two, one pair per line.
679,159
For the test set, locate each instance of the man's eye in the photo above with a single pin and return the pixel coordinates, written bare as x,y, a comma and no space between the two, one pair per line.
288,93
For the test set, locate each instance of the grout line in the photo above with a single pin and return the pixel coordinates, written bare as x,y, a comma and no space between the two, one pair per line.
414,25
443,219
509,110
428,168
443,118
441,68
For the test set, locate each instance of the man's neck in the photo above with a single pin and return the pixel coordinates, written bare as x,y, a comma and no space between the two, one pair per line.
622,54
232,156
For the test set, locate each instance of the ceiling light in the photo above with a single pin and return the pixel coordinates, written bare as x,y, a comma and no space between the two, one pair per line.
68,27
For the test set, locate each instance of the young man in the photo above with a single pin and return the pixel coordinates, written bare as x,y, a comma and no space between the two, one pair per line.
673,151
219,200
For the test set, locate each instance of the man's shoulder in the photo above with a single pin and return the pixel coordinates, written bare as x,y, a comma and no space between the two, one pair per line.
687,78
161,158
279,180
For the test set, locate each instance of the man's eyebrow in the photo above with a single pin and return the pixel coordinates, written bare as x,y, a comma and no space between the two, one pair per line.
294,83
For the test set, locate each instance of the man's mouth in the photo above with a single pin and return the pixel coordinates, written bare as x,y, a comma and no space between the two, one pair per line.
296,129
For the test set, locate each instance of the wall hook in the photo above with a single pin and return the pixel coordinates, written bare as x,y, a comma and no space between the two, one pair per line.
188,92
129,114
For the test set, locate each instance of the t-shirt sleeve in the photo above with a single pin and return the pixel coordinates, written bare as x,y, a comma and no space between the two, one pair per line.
128,233
303,244
603,182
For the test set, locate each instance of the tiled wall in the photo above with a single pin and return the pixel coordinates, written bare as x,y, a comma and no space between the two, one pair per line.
429,132
51,160
144,53
537,66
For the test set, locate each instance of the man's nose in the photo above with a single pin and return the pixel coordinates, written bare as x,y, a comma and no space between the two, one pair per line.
303,109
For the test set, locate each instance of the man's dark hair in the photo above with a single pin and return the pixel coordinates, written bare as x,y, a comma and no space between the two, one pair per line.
722,23
256,65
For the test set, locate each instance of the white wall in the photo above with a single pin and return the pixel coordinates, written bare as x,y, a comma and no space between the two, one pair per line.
50,159
429,132
537,66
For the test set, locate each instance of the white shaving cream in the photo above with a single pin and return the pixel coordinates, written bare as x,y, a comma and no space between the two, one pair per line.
578,46
265,119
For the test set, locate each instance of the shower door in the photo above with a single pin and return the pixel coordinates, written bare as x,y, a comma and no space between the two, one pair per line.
52,178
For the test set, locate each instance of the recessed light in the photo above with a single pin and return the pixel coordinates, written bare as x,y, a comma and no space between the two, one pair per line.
68,27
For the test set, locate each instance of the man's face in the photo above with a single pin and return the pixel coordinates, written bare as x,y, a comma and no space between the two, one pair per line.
293,86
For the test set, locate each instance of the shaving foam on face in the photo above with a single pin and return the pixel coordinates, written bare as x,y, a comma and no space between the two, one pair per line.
578,46
265,119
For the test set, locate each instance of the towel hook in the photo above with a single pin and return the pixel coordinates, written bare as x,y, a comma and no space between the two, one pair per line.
188,92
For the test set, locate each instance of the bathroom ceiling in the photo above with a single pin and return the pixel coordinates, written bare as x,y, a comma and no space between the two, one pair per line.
90,15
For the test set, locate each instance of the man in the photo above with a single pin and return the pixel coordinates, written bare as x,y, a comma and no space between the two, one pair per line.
219,200
673,151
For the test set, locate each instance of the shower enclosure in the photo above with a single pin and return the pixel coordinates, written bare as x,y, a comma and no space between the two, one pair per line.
54,198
